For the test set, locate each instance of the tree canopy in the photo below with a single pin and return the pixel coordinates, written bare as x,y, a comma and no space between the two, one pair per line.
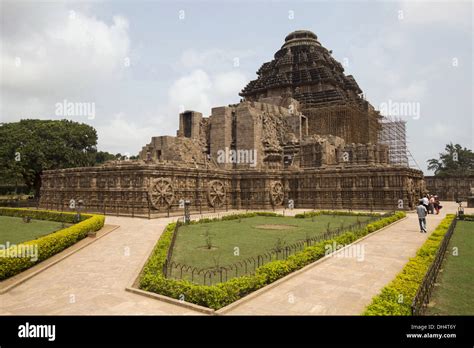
30,146
454,161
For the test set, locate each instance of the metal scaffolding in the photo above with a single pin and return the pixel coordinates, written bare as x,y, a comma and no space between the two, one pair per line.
393,134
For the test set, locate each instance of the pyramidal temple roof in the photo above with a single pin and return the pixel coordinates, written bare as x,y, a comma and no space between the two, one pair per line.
302,61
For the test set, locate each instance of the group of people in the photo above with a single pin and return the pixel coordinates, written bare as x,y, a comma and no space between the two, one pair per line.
427,205
431,203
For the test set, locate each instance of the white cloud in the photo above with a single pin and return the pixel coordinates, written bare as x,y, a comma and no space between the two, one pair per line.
120,135
228,84
61,55
200,91
191,92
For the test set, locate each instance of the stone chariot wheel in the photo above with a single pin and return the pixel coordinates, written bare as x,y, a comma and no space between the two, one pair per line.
276,193
161,193
216,193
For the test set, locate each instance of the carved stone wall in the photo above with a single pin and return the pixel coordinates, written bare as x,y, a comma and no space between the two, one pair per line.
136,188
450,188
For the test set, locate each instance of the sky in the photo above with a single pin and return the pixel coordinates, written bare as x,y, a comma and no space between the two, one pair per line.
138,64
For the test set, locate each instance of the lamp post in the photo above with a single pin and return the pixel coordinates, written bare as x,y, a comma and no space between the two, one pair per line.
187,216
79,207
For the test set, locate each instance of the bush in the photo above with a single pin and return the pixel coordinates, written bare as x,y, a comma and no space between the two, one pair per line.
335,212
50,215
467,217
396,298
217,296
48,245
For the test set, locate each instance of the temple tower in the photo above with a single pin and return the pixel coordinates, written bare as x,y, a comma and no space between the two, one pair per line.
306,71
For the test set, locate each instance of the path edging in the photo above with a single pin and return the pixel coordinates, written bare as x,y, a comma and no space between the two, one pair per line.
268,287
10,283
171,300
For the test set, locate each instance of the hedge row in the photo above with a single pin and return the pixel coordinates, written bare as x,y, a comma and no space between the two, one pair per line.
466,217
236,217
332,212
219,295
48,245
396,298
49,215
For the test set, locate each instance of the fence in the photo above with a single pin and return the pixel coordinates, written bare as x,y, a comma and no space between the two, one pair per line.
218,274
20,203
422,297
169,254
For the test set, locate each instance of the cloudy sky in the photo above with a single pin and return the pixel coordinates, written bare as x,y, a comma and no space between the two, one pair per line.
141,62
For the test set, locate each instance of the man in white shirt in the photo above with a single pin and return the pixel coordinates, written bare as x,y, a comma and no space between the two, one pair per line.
422,211
426,201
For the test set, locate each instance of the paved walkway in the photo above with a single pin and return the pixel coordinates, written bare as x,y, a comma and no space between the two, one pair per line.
344,285
93,280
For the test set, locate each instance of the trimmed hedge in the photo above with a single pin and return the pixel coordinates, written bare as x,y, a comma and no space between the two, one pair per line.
235,217
467,217
50,215
219,295
50,244
334,212
396,298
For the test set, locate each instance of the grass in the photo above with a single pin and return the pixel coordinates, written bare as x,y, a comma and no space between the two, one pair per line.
235,240
454,294
14,230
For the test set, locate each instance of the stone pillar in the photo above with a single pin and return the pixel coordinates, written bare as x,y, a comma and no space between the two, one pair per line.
338,192
237,193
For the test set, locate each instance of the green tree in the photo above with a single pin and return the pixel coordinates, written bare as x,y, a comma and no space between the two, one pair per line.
455,160
30,146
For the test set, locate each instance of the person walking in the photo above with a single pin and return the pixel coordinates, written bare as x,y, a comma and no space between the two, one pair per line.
431,205
426,201
437,204
422,212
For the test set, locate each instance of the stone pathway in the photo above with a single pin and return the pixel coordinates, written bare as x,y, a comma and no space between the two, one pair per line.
93,280
344,285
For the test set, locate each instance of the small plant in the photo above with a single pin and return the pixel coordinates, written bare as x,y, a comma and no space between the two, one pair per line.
279,245
328,227
27,219
307,237
208,239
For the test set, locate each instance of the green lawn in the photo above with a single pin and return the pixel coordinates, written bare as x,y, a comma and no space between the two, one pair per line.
455,293
14,230
249,237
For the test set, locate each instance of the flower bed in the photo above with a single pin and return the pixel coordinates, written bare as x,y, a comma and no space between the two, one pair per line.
44,247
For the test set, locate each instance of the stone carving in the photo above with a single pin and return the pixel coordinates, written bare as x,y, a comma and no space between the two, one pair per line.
276,193
216,193
161,193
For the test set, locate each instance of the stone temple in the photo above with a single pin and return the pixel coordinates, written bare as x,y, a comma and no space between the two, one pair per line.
303,132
